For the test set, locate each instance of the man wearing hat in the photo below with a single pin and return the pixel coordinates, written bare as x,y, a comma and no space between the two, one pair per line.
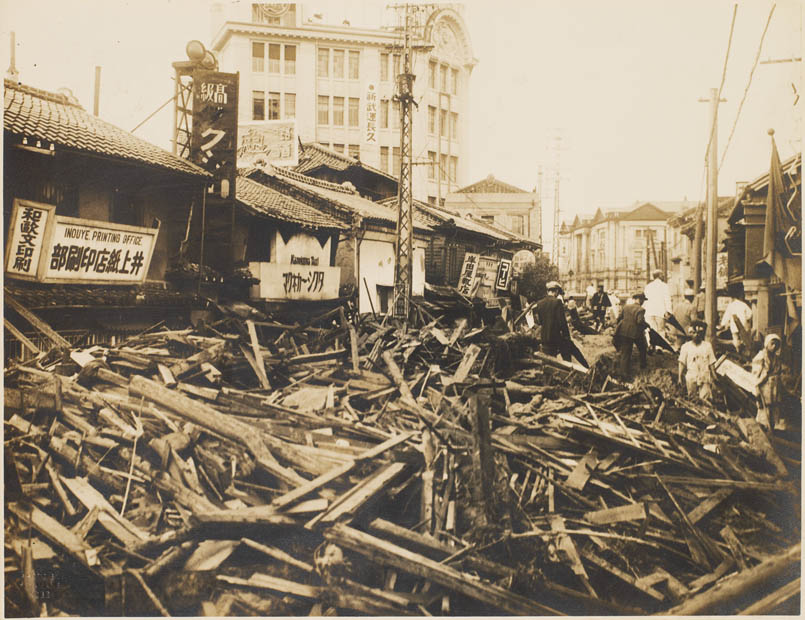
696,359
629,331
600,302
550,313
658,303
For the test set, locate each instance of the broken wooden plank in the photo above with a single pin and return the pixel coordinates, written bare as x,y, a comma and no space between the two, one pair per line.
583,470
703,509
623,576
760,442
385,553
21,337
629,512
258,357
34,320
278,554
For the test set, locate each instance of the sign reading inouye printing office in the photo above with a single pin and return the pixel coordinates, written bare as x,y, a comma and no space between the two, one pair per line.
73,250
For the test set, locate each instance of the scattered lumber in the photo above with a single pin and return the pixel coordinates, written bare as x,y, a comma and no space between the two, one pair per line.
349,464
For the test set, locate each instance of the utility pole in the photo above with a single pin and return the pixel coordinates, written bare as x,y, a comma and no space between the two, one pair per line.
710,304
403,266
555,236
539,203
12,73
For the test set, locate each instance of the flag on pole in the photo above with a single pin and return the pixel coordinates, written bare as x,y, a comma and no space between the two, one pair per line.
782,216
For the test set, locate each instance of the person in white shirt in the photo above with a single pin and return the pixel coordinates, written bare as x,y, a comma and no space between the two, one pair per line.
696,359
658,303
590,292
736,309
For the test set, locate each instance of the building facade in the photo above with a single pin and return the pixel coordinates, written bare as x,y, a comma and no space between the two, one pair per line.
618,248
338,82
493,201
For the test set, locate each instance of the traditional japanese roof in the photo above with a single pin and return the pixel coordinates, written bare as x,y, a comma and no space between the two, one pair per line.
313,155
57,119
266,201
491,185
341,195
791,166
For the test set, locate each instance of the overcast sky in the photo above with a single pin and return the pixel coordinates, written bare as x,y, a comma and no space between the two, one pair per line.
618,80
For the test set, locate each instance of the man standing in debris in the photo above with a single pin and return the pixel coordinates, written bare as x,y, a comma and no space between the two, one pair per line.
550,313
737,310
658,303
767,369
696,359
600,302
631,331
590,292
685,314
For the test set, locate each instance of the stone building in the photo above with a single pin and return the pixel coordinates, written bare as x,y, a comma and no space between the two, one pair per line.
338,82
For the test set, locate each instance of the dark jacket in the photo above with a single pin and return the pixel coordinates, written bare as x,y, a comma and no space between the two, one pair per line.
632,321
600,300
551,315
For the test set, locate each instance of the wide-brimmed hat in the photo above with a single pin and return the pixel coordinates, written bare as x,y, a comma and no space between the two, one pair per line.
553,285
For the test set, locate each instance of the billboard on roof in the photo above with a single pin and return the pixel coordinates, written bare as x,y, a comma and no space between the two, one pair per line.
268,142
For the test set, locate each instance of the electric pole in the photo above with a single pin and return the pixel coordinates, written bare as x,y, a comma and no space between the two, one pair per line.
403,266
710,304
555,236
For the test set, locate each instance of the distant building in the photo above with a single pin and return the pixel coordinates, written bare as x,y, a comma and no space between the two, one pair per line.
506,206
617,248
293,66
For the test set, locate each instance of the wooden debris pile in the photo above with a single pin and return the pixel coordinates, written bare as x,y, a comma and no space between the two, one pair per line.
369,467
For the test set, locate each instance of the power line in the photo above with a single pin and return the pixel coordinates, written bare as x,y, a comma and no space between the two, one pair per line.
723,76
748,84
150,116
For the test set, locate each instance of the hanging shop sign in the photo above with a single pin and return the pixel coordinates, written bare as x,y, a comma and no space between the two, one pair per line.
370,121
53,248
520,260
295,282
467,281
268,142
504,275
214,137
28,229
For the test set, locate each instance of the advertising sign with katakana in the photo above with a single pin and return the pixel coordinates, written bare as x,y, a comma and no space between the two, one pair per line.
370,119
27,233
214,139
308,282
87,251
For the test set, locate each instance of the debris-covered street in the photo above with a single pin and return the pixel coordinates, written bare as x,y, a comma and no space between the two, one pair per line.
356,309
370,467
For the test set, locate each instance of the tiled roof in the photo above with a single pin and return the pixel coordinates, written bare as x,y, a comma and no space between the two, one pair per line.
341,196
56,119
267,201
491,185
313,155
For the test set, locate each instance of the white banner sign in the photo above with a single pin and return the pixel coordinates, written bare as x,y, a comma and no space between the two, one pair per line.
371,114
26,237
268,142
99,252
466,281
282,281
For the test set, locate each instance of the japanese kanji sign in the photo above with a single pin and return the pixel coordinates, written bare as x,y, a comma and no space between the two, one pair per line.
284,281
269,142
27,233
370,121
98,252
466,280
214,136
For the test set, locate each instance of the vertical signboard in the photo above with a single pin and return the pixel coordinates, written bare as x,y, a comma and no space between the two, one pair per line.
30,223
504,274
371,114
214,140
268,142
466,281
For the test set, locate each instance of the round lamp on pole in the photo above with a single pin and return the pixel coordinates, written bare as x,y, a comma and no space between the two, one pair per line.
196,51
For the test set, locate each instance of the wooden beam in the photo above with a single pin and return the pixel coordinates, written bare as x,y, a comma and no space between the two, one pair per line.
34,320
21,337
385,553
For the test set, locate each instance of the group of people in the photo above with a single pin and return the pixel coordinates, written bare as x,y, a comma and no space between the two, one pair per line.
652,310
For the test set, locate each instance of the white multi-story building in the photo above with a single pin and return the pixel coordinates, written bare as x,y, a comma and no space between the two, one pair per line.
292,65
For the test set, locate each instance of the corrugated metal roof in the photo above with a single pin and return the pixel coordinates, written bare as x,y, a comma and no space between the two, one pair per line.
267,201
55,118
